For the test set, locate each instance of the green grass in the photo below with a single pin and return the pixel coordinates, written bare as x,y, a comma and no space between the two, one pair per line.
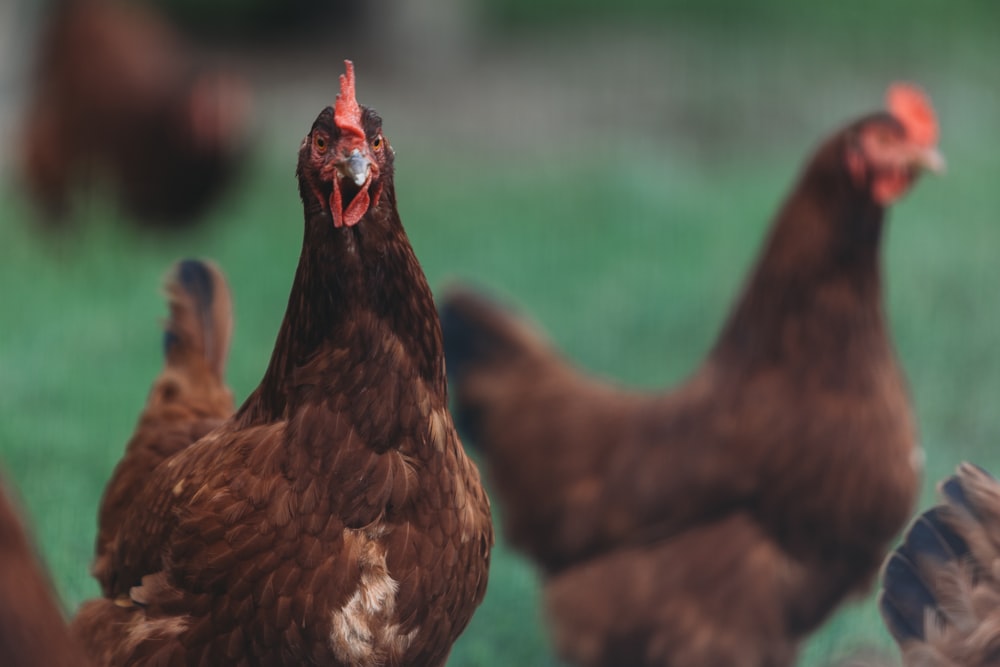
630,269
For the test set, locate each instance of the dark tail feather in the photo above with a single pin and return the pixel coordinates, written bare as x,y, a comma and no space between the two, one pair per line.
201,318
940,598
188,399
907,589
476,332
480,336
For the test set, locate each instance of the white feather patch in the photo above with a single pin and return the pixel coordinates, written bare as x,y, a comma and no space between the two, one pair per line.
362,631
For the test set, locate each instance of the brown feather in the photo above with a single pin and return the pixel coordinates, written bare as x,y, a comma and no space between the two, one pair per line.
941,588
188,399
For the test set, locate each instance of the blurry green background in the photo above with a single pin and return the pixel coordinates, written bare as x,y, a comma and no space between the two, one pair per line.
611,167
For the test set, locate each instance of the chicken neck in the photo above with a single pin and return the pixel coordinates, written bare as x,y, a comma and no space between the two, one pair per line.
359,295
814,296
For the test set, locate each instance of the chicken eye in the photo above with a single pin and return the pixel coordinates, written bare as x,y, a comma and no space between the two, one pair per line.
319,141
377,143
883,136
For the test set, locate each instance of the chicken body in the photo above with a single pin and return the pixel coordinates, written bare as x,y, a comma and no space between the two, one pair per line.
719,522
334,519
941,593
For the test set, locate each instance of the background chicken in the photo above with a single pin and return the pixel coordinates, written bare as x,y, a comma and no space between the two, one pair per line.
187,400
33,631
941,594
718,523
120,100
334,519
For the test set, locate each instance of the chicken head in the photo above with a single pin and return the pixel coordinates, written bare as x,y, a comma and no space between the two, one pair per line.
890,149
343,157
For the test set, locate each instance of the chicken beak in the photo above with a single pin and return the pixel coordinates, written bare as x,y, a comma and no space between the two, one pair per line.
359,168
929,158
355,167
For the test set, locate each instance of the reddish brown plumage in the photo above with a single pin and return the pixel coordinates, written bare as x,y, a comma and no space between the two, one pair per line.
33,631
717,523
121,101
941,591
334,519
188,399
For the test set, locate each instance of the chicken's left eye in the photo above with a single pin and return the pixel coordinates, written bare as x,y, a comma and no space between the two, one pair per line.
320,142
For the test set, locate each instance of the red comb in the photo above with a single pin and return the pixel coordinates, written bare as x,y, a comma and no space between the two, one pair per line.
911,106
346,111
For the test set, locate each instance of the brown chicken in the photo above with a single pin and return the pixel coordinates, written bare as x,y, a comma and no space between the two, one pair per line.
334,519
941,588
121,101
188,400
720,522
33,631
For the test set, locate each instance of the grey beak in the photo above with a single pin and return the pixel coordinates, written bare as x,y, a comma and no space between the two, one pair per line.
355,167
931,160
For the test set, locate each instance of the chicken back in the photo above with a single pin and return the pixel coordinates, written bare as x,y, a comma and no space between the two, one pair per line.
719,522
334,519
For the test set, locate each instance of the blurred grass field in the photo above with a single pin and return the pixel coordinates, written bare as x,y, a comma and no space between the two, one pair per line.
626,242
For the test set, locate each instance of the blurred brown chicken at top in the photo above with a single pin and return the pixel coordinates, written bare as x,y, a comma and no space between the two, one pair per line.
719,522
121,101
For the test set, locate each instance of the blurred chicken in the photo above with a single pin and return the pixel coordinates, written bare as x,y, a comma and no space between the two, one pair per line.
188,399
718,523
120,101
33,631
941,588
334,519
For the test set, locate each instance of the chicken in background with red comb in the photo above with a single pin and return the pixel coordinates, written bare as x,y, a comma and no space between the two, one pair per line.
722,521
334,519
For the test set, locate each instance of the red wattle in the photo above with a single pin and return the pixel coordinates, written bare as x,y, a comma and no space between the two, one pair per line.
337,204
357,207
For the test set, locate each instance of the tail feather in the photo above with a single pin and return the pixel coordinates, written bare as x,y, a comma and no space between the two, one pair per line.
977,508
940,596
932,536
904,598
477,332
201,316
187,400
479,336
